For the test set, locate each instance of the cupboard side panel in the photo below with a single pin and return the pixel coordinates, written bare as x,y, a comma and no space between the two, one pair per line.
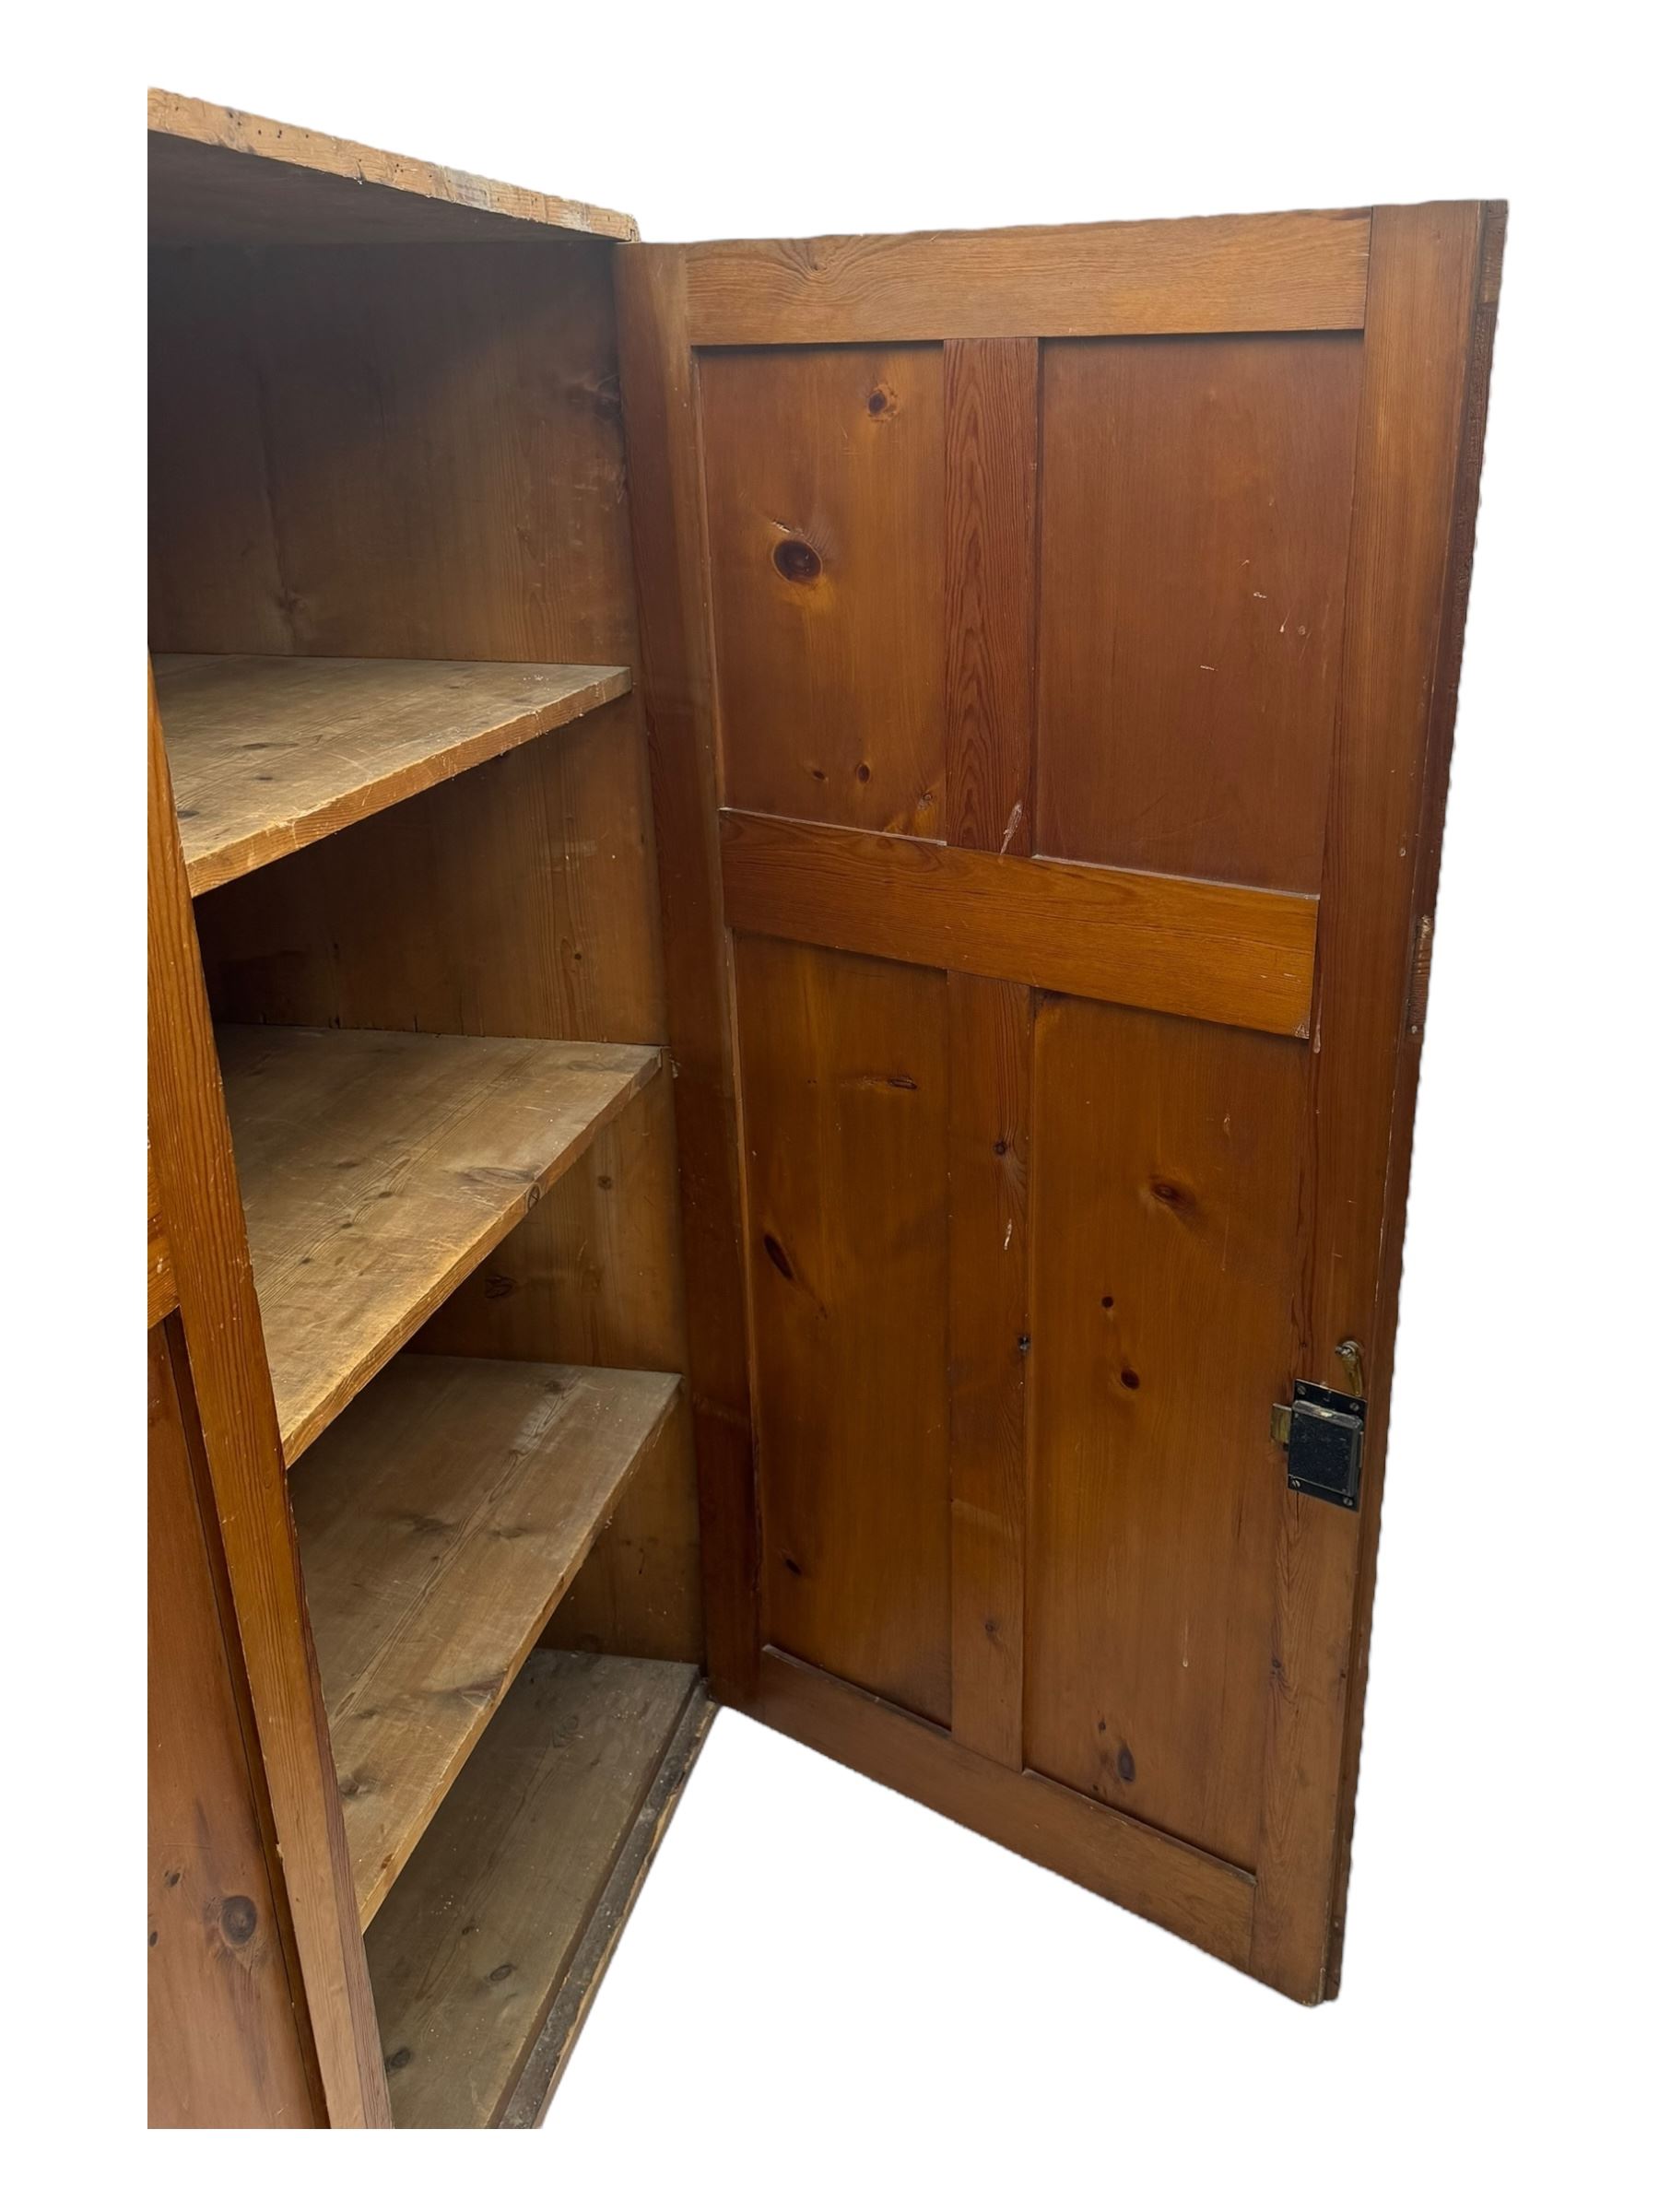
219,1313
228,2045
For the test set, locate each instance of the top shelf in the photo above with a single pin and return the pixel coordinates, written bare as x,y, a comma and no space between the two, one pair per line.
269,753
219,177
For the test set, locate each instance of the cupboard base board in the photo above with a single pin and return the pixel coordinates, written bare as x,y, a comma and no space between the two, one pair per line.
1185,1890
486,1954
544,2069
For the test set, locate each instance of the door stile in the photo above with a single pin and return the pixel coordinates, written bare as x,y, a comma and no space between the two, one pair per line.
1424,276
1494,215
659,397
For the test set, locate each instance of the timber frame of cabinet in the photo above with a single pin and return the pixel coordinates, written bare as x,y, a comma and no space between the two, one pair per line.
791,893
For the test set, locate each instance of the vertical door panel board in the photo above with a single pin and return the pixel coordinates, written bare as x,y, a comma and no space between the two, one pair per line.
990,590
660,399
845,1084
1425,275
1194,521
990,1153
1164,1266
824,476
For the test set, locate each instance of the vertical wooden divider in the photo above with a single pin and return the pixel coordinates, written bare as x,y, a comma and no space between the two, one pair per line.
990,1164
990,590
991,430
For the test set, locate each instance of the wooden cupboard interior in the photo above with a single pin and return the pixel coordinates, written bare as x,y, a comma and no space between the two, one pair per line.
395,647
591,1105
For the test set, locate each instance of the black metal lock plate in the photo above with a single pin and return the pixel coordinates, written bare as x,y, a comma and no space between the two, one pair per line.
1324,1443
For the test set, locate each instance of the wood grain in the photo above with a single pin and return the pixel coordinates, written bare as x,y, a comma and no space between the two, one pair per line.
440,1521
991,396
378,1168
990,1163
418,452
271,752
196,1178
159,1274
408,455
845,1099
675,658
1197,494
1426,279
1209,950
824,473
512,902
1165,1268
476,1939
218,173
229,2047
1192,1895
596,1269
1209,273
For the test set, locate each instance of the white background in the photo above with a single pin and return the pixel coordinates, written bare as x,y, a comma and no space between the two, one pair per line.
827,1995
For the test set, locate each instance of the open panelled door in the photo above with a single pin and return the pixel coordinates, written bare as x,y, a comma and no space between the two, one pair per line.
1050,647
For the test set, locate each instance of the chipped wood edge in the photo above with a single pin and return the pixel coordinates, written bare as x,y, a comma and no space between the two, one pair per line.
204,123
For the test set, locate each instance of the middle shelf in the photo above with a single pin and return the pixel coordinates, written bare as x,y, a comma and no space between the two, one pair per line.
271,752
440,1522
378,1166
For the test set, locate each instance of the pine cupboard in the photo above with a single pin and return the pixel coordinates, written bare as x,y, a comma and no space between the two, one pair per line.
791,902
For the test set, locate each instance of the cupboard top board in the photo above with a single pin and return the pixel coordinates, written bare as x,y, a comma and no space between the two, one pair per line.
219,177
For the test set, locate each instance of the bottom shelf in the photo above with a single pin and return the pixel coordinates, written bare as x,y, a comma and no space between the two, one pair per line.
487,1952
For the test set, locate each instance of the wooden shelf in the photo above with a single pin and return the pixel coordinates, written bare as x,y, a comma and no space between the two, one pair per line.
379,1167
440,1521
489,1949
271,752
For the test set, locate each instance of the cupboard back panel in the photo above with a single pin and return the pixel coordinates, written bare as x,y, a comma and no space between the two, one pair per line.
416,451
